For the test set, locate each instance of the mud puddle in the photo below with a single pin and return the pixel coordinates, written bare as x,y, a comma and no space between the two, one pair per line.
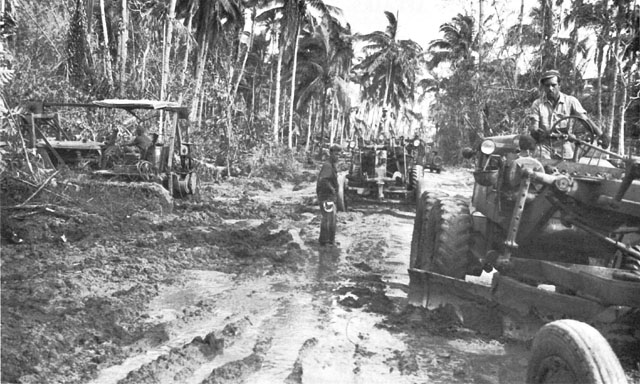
175,311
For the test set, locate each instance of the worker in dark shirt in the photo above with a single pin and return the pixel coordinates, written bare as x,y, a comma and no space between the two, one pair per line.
327,192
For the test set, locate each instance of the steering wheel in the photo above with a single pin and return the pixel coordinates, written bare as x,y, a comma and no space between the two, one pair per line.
578,128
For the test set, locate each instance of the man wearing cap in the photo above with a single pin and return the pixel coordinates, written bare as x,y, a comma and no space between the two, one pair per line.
327,192
552,106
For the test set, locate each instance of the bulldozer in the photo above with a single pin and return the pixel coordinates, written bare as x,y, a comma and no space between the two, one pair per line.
169,162
555,235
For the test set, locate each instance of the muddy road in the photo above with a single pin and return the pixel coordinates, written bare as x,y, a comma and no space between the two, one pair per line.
232,287
341,318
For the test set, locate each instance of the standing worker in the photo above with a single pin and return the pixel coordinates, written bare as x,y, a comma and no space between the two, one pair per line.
327,192
552,106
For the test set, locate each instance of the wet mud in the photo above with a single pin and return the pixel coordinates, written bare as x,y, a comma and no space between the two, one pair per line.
231,287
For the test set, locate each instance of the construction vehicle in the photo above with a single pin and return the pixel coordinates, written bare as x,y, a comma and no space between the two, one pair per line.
558,236
433,161
171,163
387,170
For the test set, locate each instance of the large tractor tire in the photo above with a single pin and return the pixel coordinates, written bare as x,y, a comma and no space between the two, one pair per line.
423,206
570,351
416,176
342,202
445,239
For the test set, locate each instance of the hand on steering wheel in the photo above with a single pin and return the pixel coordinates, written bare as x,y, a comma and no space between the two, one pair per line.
578,128
581,131
538,134
604,141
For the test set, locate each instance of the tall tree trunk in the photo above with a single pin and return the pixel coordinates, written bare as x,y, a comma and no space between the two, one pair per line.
601,44
599,59
316,123
270,89
293,86
201,106
276,102
480,88
306,146
341,126
200,65
89,12
614,88
323,103
621,113
332,124
252,110
166,50
518,45
187,45
480,34
246,53
124,39
143,70
105,37
284,116
619,75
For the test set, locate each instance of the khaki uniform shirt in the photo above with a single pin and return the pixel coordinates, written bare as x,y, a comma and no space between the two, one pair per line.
544,114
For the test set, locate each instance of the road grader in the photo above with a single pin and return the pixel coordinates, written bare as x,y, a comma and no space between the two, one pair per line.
557,240
391,170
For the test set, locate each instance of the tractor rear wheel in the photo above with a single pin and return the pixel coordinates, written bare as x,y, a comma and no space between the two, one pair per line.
570,351
445,239
423,205
417,174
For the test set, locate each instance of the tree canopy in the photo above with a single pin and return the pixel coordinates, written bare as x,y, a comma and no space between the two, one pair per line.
236,63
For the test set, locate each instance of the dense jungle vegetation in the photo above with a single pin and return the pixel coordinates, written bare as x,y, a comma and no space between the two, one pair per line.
288,74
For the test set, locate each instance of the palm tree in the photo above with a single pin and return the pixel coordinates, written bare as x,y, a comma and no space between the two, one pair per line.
457,45
389,71
324,62
456,93
210,17
107,56
294,14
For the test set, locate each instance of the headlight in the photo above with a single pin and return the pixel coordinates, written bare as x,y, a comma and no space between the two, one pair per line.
381,137
416,143
352,144
487,147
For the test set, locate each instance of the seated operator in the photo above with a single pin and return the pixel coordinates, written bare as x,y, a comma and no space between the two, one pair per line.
142,142
549,108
